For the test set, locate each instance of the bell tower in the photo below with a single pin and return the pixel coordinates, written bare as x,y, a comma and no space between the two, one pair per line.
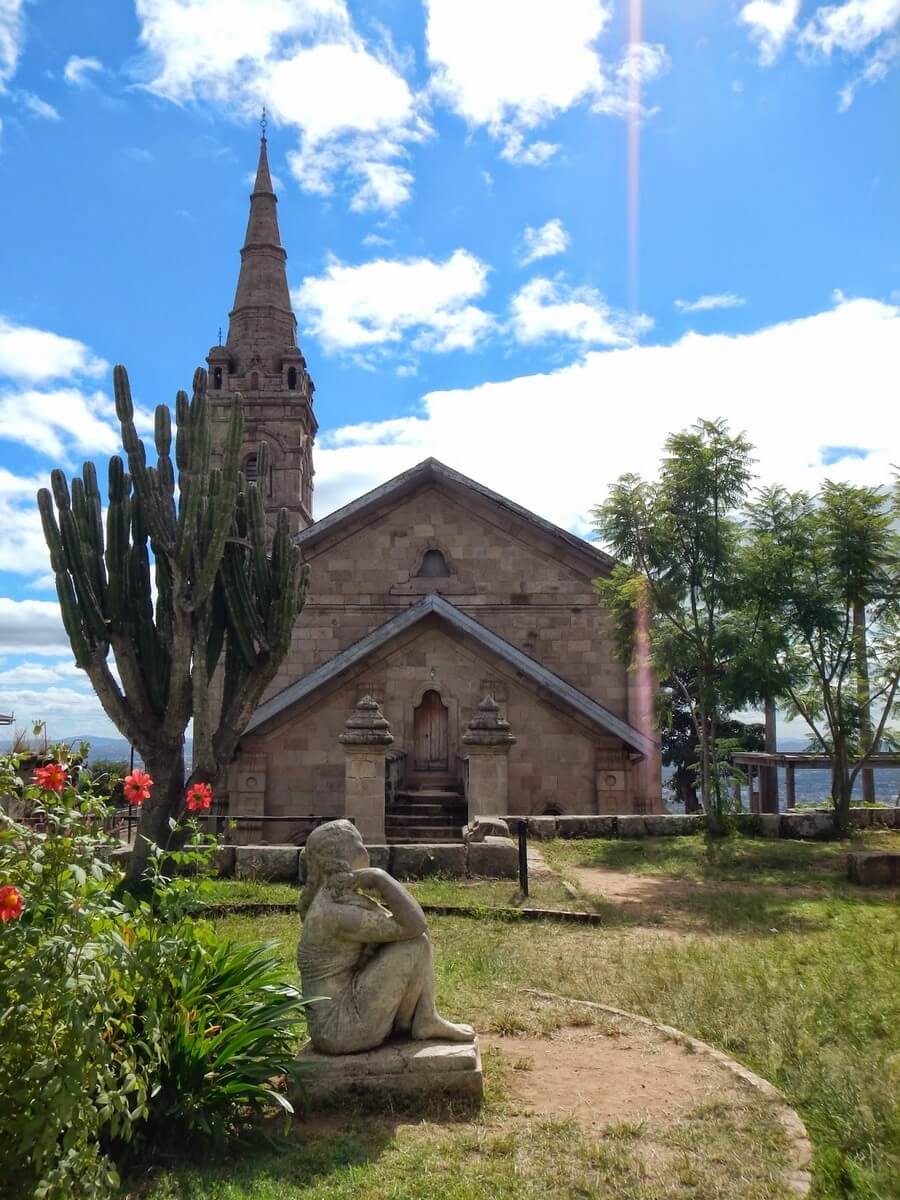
262,361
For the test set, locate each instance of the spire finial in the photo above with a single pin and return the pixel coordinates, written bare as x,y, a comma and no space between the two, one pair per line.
220,335
263,123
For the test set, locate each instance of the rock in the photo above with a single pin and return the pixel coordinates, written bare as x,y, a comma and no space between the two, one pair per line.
494,858
672,824
513,823
631,827
874,867
542,827
483,827
420,861
272,863
586,827
813,823
399,1068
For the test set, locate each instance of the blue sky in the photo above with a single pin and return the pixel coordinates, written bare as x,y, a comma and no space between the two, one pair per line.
528,237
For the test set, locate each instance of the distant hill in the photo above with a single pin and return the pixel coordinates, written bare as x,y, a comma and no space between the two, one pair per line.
115,748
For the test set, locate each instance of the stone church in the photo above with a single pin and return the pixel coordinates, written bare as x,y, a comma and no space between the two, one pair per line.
451,659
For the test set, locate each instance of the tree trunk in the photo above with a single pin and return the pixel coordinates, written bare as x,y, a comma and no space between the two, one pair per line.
768,776
166,768
840,786
714,823
863,699
686,788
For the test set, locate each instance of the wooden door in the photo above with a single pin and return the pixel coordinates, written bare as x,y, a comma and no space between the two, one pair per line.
430,734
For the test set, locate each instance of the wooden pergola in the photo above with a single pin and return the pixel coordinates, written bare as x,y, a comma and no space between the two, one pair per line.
755,761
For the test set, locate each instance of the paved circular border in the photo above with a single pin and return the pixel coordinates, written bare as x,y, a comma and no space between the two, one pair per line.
799,1178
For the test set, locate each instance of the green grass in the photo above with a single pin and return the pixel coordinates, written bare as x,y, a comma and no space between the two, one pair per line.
769,861
798,982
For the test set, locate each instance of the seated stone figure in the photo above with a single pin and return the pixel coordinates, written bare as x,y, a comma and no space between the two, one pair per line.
366,964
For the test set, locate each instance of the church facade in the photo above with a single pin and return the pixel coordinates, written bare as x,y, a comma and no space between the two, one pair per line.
451,635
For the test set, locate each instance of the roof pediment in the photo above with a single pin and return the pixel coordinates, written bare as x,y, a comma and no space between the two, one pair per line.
433,472
549,683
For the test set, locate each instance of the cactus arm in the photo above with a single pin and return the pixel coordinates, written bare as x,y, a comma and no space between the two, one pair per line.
137,461
223,509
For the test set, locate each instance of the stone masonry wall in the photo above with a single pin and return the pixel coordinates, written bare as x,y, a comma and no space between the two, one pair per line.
511,580
554,763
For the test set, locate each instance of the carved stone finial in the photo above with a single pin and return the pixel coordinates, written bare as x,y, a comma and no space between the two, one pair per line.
366,725
487,727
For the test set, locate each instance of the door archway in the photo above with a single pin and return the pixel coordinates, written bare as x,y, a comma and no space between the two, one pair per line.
430,723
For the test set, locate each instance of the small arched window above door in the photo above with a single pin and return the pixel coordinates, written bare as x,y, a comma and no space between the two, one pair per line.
433,565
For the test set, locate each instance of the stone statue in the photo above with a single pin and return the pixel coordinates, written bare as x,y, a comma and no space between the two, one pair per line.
367,964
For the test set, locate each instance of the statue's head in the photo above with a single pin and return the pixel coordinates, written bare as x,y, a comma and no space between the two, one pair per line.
333,851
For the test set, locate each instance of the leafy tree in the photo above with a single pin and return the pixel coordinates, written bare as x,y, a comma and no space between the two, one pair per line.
681,745
219,595
677,540
827,584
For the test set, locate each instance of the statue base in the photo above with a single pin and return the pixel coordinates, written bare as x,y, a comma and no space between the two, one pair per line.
400,1068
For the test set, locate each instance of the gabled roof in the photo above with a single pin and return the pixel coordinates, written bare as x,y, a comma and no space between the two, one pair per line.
435,605
430,470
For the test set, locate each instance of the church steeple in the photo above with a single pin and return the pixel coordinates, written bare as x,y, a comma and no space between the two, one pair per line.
262,361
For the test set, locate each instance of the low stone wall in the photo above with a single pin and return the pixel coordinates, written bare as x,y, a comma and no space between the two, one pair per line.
813,823
494,858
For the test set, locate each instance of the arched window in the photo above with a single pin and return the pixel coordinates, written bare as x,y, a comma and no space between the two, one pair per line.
254,382
434,565
217,378
292,379
250,471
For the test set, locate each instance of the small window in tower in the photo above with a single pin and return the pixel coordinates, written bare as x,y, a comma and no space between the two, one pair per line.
217,378
434,565
250,471
254,382
292,379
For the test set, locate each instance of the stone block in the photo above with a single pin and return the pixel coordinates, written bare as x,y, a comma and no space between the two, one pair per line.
420,861
400,1068
767,825
672,824
812,824
223,861
631,827
603,826
541,827
494,858
873,867
272,863
882,817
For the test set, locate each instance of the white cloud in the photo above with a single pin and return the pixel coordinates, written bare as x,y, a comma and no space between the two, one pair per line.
512,67
880,63
546,308
23,550
35,355
12,35
37,107
32,627
380,303
610,411
54,422
78,69
543,241
43,673
852,26
771,23
353,109
641,63
709,303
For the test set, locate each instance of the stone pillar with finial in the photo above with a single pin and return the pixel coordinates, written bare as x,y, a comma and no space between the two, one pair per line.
365,739
487,741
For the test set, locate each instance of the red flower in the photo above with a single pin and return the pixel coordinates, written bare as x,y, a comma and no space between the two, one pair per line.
11,903
136,787
199,797
51,778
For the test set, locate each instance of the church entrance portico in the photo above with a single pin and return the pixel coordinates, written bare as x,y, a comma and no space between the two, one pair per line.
430,723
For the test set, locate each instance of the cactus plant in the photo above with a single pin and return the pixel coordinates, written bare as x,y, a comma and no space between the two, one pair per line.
222,599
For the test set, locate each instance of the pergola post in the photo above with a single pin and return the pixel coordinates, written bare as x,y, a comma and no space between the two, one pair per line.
789,786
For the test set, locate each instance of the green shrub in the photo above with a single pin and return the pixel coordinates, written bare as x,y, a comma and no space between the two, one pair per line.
120,1017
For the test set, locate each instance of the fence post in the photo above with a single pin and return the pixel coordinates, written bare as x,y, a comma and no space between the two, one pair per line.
523,856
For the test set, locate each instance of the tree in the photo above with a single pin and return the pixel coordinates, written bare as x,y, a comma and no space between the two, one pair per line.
218,594
833,602
681,745
678,544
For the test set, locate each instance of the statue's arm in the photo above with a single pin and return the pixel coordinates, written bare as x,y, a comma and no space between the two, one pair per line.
401,917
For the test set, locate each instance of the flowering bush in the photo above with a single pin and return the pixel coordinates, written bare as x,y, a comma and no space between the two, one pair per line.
119,1016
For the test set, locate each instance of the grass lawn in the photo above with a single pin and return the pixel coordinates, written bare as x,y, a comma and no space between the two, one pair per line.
798,976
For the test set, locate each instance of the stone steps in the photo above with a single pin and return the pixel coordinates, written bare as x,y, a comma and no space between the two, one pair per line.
422,833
